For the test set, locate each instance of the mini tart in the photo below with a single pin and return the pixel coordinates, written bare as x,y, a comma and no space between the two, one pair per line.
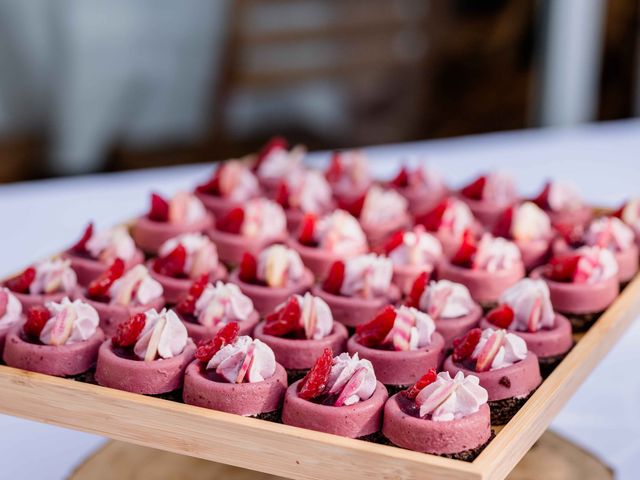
57,360
316,259
29,300
353,421
405,275
377,235
88,269
485,287
534,252
401,368
266,299
201,388
301,353
508,387
452,328
232,246
352,311
420,199
198,332
112,315
462,438
175,288
149,234
137,376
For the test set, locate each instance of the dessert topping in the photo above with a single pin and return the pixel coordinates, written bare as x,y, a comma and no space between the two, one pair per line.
493,254
495,187
129,330
444,299
585,265
98,289
464,346
333,283
501,316
558,197
232,180
374,332
348,172
135,287
529,301
304,316
232,221
306,190
609,232
448,399
21,283
163,335
411,330
187,304
498,349
37,316
69,322
244,360
367,276
306,236
226,335
221,304
382,206
466,251
10,308
183,209
414,247
351,380
198,256
427,379
276,161
340,233
315,381
417,289
451,216
111,244
53,276
263,219
279,266
81,245
248,268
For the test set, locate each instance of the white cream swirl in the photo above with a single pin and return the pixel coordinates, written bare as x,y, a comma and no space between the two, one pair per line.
595,265
382,206
444,300
499,188
202,254
352,379
222,303
449,399
163,335
245,360
609,232
53,276
309,191
70,322
186,209
631,214
279,266
495,254
563,196
237,182
111,244
530,301
456,218
529,223
136,287
279,162
355,176
263,219
512,350
412,329
367,276
341,234
10,308
316,318
418,248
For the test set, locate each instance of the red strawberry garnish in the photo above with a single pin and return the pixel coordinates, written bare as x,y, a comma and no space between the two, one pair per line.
172,264
232,221
502,316
4,302
334,171
417,289
354,207
159,211
475,189
248,269
464,346
373,333
129,330
276,143
562,268
394,242
211,186
307,229
226,335
187,305
36,318
314,382
432,220
22,282
282,195
81,245
284,320
466,251
427,379
333,282
99,287
401,180
502,227
618,212
542,200
570,233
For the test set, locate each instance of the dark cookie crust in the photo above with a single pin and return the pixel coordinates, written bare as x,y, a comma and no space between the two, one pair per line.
465,456
275,416
582,323
295,375
503,410
549,364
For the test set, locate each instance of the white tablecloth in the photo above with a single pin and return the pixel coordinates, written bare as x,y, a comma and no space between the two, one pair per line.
604,161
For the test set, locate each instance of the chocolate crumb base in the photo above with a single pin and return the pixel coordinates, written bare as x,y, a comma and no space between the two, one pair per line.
583,322
549,364
173,396
503,410
86,377
275,416
393,389
295,375
465,456
376,437
487,306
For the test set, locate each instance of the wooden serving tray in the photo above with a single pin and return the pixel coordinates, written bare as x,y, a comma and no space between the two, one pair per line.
295,452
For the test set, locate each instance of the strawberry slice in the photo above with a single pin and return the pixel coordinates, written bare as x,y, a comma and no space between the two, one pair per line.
417,289
4,302
81,245
489,351
373,333
535,315
22,282
211,186
226,335
159,211
307,229
542,200
248,269
314,382
502,227
334,170
36,318
354,207
99,287
502,316
333,282
401,180
619,211
172,264
427,379
464,346
187,305
570,233
562,268
129,330
394,242
433,219
464,256
232,221
475,189
282,195
275,143
284,320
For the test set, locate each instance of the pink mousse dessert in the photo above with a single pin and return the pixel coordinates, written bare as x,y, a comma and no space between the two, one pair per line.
46,281
236,375
506,368
166,219
299,330
275,161
563,204
400,343
10,314
383,213
440,415
183,259
525,309
529,227
207,307
412,252
357,288
325,240
272,277
94,252
250,228
116,295
489,195
582,283
349,176
629,213
232,184
421,186
448,221
486,268
449,304
148,354
61,339
339,395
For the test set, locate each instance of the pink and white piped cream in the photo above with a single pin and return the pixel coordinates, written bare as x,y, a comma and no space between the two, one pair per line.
163,336
499,188
631,214
367,276
417,248
309,191
609,232
279,266
382,206
263,219
202,254
280,162
54,276
595,265
237,182
498,349
531,304
412,330
316,319
354,176
449,399
186,209
495,254
136,287
341,234
245,360
456,218
445,300
351,380
529,223
563,196
70,322
110,244
10,309
221,304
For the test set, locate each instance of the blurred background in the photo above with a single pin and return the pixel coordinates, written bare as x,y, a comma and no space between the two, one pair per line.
103,85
